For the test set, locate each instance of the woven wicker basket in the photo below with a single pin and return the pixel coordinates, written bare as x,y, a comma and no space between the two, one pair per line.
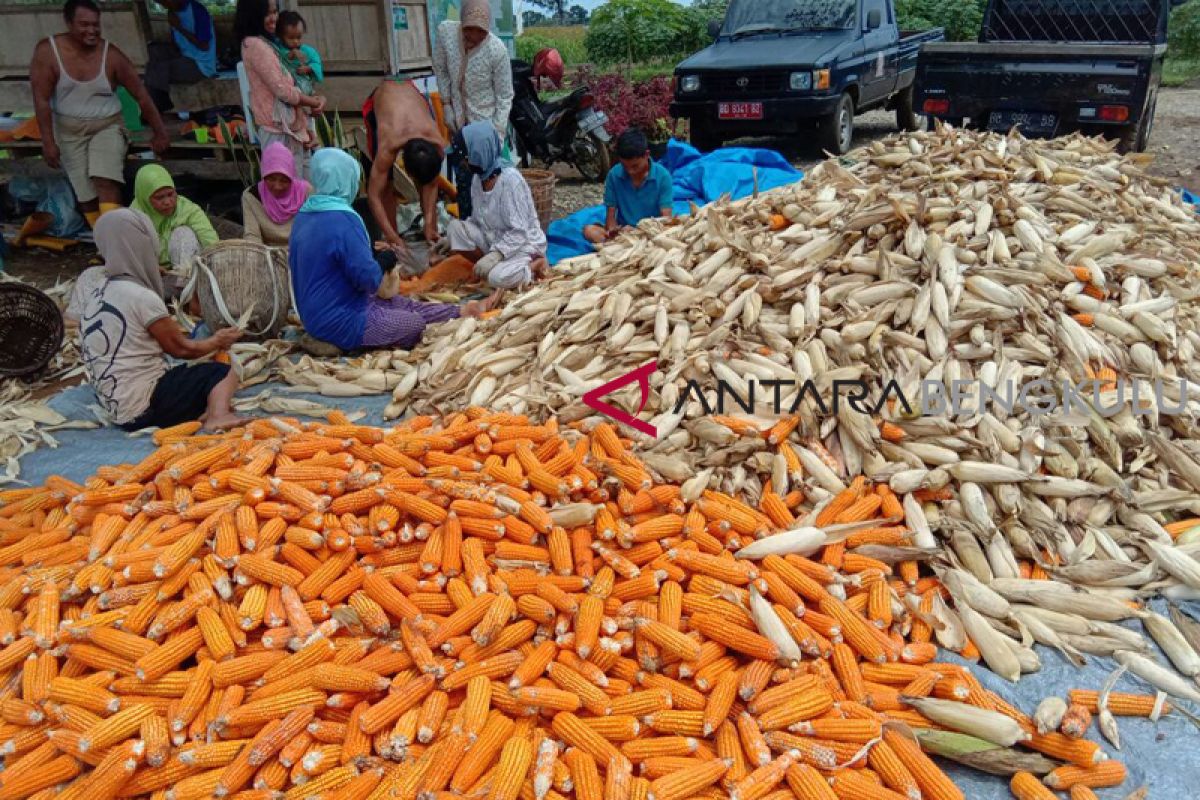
233,274
31,329
541,184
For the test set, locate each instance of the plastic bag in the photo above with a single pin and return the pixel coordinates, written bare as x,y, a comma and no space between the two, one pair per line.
53,195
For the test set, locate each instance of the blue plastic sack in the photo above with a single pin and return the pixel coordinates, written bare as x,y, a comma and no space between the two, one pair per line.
55,196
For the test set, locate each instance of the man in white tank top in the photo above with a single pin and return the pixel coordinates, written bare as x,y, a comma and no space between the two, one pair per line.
74,77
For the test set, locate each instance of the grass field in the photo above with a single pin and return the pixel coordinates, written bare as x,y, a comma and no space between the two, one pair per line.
1177,72
568,39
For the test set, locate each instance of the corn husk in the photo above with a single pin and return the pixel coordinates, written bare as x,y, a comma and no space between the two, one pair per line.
991,726
983,755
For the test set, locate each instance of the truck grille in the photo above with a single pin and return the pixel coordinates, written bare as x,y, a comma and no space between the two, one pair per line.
750,83
1077,21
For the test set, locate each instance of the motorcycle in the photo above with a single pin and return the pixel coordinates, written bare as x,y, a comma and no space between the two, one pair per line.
568,130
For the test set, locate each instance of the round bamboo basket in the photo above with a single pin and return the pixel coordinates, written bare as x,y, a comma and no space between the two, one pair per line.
234,275
541,184
31,329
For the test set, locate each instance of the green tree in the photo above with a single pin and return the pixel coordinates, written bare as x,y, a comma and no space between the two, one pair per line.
962,19
533,18
1183,35
621,30
557,9
577,15
711,9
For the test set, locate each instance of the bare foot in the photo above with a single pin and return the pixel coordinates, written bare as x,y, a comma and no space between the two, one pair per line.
493,300
475,308
223,423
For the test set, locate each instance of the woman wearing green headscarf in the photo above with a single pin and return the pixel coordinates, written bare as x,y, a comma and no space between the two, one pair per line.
182,226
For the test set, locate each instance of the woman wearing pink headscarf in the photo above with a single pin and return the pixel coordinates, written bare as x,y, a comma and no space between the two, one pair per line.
269,206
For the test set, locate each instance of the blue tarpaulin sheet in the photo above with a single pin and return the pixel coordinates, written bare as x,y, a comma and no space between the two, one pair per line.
697,178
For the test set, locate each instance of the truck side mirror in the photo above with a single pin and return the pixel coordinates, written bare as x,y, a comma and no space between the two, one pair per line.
874,19
714,28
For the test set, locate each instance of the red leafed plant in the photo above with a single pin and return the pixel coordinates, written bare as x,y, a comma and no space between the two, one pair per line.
644,105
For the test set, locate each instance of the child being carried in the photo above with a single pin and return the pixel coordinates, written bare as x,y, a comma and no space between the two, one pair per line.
301,60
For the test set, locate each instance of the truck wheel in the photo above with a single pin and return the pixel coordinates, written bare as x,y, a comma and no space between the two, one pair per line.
1147,127
1128,139
907,119
837,129
703,139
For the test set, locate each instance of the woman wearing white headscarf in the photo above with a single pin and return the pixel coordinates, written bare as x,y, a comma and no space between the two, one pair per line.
474,78
503,236
126,332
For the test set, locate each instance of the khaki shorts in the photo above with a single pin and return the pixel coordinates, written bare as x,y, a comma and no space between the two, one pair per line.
91,148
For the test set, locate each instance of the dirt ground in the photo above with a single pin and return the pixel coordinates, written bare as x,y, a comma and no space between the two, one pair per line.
1175,140
1175,145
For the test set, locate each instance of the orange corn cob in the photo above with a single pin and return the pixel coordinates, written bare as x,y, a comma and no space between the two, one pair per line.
1027,787
1121,704
1104,774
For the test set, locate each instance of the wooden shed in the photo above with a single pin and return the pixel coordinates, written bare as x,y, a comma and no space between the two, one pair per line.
360,41
356,36
23,25
385,36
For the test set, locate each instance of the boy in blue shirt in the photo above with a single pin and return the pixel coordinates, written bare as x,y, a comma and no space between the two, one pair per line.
636,189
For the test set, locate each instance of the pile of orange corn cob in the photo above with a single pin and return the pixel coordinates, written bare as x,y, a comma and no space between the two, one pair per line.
473,606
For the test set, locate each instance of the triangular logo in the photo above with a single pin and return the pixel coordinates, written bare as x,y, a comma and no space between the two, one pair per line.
642,376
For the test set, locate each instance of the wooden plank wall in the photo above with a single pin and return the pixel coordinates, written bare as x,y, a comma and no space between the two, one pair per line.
412,45
350,35
23,26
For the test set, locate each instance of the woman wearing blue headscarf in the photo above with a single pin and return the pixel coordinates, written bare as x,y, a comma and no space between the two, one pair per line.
342,293
503,235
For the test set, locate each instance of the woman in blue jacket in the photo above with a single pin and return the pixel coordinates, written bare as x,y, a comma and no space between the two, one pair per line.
342,293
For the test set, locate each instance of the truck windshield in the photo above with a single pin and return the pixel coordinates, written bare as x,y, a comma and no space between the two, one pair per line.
1083,21
747,17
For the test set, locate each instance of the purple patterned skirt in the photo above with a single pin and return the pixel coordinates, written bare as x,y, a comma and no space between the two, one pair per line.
400,322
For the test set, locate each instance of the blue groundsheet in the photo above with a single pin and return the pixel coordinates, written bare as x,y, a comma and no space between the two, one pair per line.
699,179
1161,755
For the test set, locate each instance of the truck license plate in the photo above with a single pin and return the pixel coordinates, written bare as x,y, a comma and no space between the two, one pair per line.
740,110
1030,122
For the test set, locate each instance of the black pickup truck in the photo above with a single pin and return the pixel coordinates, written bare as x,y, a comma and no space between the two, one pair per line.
777,66
1051,67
